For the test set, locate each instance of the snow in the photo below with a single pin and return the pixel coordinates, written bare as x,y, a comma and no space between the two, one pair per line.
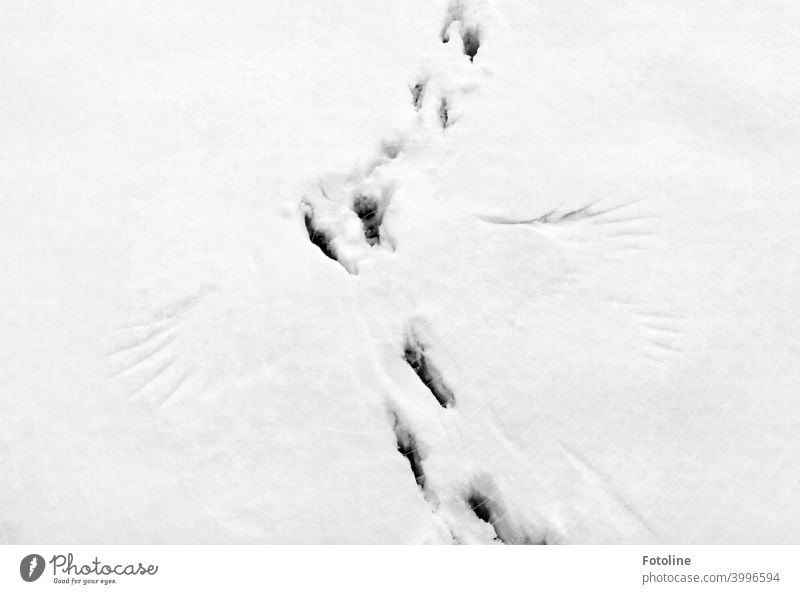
595,251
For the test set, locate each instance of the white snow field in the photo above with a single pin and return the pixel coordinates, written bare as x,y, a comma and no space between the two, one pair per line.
300,272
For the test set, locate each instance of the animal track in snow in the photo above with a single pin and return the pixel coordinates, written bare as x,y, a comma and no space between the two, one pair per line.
664,332
147,362
418,95
484,501
414,354
318,236
470,36
366,208
483,508
444,112
345,220
556,217
468,29
407,445
370,210
615,230
343,215
367,191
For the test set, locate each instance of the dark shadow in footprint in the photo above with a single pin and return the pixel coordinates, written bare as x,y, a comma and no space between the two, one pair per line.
368,209
454,13
488,508
318,237
322,238
472,42
414,354
408,447
481,507
417,95
470,34
444,112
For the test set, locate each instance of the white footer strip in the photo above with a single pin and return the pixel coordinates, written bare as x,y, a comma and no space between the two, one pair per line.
406,570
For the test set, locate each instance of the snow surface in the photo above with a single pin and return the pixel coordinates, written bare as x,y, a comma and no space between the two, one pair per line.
587,238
